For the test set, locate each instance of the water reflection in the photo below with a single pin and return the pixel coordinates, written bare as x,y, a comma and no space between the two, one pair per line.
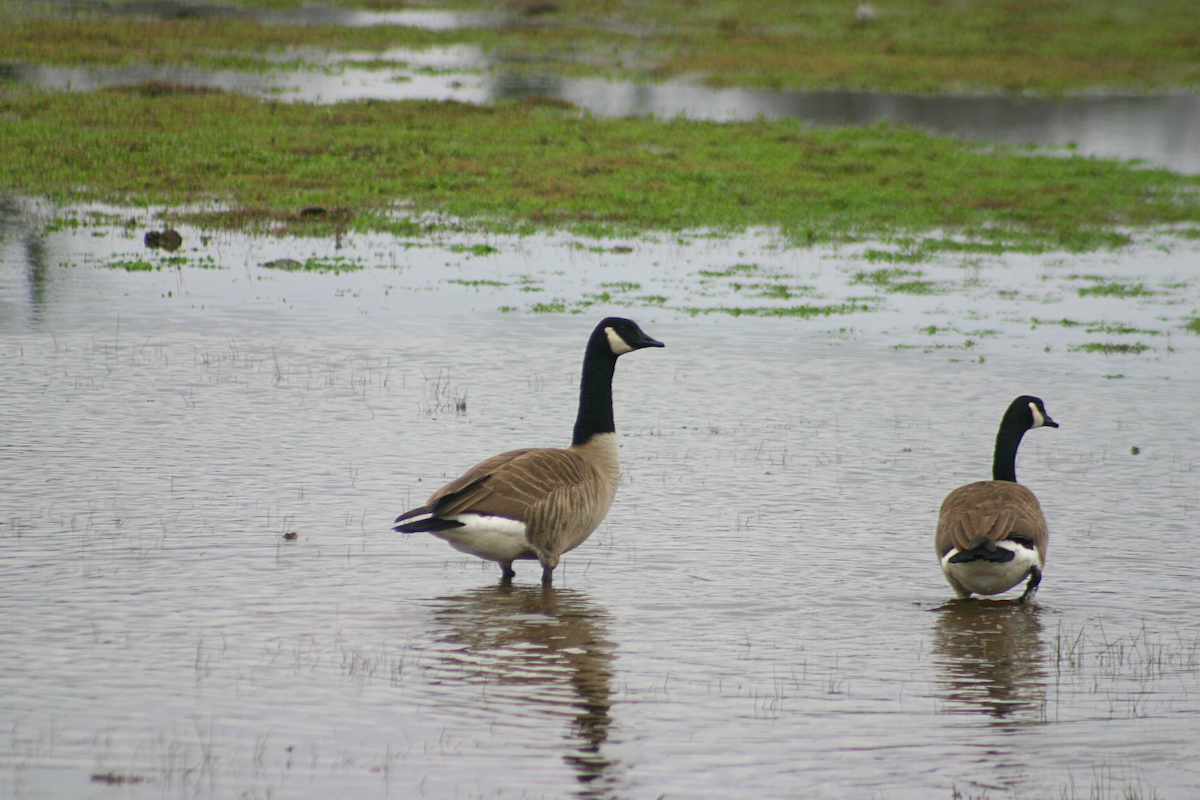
15,224
428,19
544,650
991,660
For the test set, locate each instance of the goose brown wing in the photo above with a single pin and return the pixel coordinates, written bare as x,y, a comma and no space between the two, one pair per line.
518,484
995,509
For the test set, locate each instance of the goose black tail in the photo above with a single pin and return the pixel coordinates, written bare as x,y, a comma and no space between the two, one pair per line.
428,525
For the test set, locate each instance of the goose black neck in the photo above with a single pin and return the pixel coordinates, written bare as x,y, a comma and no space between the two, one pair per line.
595,392
1012,428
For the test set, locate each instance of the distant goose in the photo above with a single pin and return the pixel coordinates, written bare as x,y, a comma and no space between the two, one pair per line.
540,503
992,534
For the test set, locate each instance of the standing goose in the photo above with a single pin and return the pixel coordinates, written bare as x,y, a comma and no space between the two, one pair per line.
991,534
540,503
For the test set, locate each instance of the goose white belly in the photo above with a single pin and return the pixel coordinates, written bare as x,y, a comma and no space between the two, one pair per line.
990,577
488,537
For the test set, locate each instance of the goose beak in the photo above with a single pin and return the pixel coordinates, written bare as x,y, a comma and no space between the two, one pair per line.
1049,423
645,341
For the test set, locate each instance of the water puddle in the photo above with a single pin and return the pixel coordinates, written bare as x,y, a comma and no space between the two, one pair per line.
1119,314
207,438
309,14
202,456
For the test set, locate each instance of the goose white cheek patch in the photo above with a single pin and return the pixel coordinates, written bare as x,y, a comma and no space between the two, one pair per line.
616,343
1038,419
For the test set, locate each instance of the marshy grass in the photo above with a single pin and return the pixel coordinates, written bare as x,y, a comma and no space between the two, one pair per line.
335,265
896,280
522,167
801,311
910,45
1108,348
1115,290
1094,327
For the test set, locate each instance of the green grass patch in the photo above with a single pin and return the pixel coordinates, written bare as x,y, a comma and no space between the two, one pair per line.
729,272
1109,349
477,284
778,291
931,348
896,257
516,168
1093,327
1193,326
473,249
1115,290
336,265
892,280
802,311
133,265
556,306
1120,330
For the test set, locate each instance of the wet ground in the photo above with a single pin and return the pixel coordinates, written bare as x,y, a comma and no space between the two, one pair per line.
1161,129
761,615
203,449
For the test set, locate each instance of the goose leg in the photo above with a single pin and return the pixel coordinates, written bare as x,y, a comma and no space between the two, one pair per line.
1035,578
508,573
547,575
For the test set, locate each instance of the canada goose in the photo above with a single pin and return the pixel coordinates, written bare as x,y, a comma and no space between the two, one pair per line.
540,503
991,534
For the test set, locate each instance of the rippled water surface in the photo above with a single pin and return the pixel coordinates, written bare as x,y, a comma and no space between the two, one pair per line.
761,615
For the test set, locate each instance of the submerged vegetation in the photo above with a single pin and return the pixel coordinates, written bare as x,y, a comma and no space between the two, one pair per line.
414,167
1107,348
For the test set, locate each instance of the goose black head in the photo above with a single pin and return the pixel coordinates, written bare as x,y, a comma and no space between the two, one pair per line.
624,335
1034,412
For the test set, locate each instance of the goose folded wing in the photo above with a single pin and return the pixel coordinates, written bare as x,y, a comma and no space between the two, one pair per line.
519,484
995,509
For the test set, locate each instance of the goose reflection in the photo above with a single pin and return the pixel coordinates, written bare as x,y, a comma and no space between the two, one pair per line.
542,649
992,660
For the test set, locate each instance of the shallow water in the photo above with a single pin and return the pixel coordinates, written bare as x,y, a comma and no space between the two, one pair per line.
761,614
